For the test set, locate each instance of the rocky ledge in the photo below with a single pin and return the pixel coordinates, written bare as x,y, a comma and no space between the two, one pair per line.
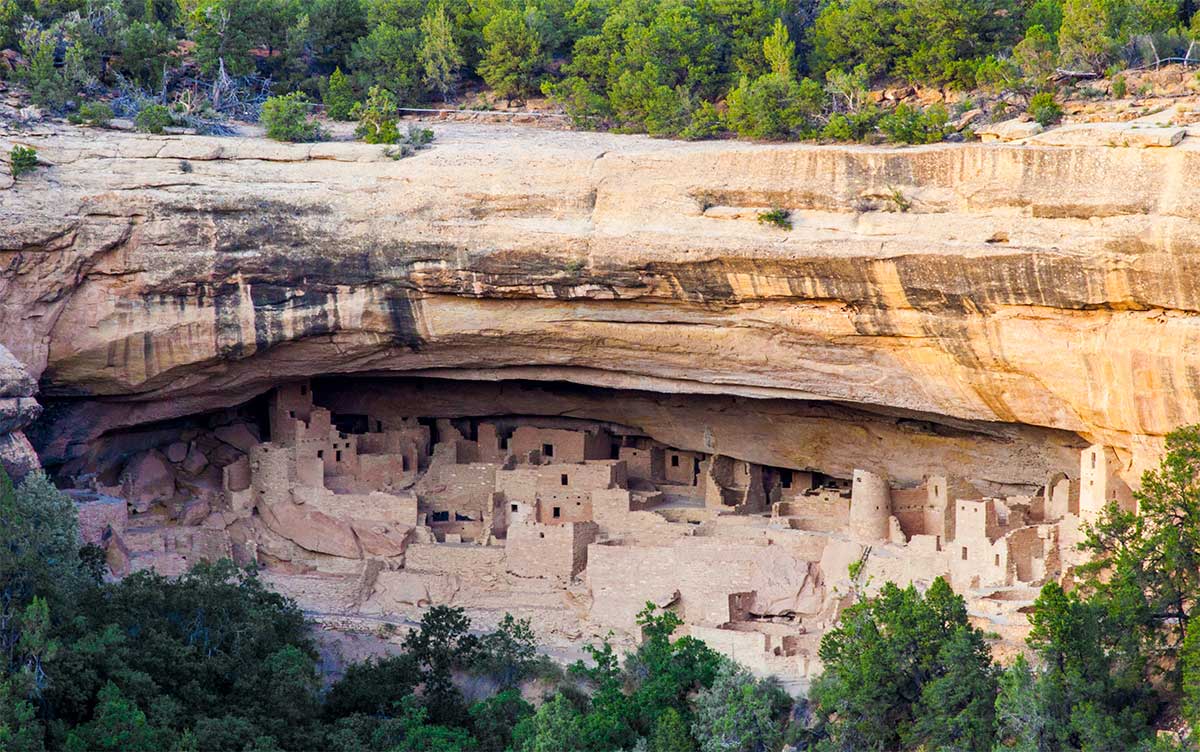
1020,298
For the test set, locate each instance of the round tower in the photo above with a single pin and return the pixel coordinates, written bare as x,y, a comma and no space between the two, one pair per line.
870,506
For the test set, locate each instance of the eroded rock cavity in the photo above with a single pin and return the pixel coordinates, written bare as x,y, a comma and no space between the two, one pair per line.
374,497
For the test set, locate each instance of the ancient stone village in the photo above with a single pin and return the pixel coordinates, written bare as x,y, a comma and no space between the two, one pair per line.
600,376
354,505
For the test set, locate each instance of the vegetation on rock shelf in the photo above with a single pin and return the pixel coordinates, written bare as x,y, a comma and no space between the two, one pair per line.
764,69
22,159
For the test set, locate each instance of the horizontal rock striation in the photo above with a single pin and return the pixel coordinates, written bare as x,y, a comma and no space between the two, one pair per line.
1004,295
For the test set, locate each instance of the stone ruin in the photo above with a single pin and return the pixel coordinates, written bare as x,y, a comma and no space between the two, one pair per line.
365,508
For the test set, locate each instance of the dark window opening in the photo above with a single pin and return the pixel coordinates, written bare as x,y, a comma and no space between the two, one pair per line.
320,454
563,478
504,442
997,559
674,460
557,512
964,553
441,516
291,413
379,426
463,518
338,458
303,389
541,535
514,507
350,423
547,450
404,463
785,478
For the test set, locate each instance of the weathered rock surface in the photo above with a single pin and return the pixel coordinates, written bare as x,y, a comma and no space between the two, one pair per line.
18,409
997,289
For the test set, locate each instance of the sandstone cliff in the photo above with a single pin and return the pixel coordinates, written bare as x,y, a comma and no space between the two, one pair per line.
990,304
18,408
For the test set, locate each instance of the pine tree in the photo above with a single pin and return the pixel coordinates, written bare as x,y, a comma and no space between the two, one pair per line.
439,55
779,50
339,97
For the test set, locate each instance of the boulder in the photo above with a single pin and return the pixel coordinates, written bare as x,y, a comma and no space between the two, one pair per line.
195,461
177,452
17,456
147,479
194,512
1139,136
966,119
238,436
311,530
18,409
1009,130
381,540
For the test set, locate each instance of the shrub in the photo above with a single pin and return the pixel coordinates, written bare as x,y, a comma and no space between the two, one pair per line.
706,123
778,217
22,159
339,97
1119,87
92,113
850,126
377,117
774,107
286,118
153,119
1044,109
908,125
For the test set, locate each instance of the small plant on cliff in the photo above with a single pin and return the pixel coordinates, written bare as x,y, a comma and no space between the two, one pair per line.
22,159
92,113
377,117
286,119
415,139
1044,109
778,217
339,97
153,119
1119,87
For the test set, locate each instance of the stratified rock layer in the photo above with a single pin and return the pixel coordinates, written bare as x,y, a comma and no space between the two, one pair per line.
1040,287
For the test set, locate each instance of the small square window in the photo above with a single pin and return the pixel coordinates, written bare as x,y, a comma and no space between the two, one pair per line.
320,454
541,535
514,507
557,512
547,450
674,460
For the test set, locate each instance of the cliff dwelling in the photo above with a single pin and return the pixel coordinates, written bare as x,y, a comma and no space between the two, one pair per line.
564,386
756,521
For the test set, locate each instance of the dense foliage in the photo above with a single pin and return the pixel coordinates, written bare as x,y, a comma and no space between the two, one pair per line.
764,69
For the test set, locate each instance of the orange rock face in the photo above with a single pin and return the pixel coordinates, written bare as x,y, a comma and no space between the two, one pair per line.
1004,297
